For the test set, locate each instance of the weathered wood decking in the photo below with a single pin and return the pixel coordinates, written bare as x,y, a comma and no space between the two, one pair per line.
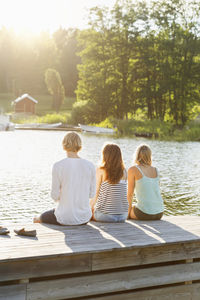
136,260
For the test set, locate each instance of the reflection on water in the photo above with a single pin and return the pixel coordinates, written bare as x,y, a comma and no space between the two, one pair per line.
26,159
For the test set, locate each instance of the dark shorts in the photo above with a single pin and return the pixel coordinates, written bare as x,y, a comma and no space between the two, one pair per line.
49,217
142,216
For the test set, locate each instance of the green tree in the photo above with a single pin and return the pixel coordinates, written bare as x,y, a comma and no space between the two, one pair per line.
105,73
7,59
96,69
177,24
66,42
55,88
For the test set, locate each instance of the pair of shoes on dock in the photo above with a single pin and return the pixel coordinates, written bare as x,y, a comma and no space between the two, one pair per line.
23,232
4,230
26,232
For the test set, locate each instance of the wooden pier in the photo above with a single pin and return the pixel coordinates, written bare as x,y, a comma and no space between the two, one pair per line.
141,260
50,129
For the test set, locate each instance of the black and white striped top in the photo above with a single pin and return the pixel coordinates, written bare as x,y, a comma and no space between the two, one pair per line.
112,198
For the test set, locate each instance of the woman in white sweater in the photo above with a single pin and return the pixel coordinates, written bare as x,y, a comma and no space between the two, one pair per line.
73,183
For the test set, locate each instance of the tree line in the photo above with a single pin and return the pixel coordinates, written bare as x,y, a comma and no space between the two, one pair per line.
136,56
140,56
25,59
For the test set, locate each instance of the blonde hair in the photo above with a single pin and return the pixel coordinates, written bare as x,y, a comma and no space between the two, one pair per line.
112,163
72,142
143,155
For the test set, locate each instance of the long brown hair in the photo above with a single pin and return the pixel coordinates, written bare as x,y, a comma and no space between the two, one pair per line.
112,163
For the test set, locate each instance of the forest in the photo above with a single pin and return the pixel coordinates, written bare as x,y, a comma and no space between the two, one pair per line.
25,59
136,59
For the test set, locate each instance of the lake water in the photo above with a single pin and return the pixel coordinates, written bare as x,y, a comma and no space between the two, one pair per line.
26,159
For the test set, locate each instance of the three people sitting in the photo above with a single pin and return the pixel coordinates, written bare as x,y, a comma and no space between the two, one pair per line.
74,183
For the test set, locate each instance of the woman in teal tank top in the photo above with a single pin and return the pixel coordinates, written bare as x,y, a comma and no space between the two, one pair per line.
143,179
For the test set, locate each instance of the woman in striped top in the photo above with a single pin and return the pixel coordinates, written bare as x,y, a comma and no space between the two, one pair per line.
110,203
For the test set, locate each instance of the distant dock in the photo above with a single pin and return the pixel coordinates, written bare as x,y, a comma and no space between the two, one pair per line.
49,129
136,260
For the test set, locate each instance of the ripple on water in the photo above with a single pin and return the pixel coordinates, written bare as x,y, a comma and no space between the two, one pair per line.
26,159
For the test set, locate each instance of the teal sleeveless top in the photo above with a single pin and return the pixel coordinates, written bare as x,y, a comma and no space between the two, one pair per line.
148,196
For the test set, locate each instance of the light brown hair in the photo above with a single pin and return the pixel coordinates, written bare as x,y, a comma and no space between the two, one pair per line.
112,163
143,155
72,142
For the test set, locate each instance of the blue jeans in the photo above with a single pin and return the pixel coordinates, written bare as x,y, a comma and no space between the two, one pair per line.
101,217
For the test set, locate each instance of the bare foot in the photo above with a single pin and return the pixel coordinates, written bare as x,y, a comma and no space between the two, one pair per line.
132,214
93,218
36,220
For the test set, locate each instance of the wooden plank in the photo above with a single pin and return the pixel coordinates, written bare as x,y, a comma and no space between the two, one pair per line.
188,261
149,255
45,267
96,237
190,292
13,292
97,284
104,260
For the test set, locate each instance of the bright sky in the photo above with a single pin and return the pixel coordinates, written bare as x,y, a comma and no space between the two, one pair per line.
37,15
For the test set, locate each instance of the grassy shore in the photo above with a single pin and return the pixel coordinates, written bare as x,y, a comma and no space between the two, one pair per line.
44,112
138,126
43,107
154,129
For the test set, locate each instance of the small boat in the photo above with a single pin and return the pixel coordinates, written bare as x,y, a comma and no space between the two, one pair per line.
94,129
5,124
144,134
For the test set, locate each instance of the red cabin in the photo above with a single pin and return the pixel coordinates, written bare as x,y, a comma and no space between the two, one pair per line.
25,104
